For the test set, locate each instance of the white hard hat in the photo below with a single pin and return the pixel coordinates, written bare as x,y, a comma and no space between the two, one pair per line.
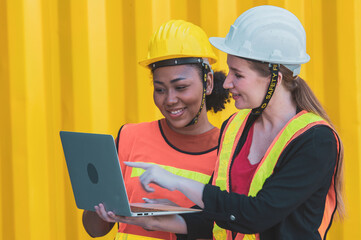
268,34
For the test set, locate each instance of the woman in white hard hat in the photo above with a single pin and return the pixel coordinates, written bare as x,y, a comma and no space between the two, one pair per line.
278,174
184,141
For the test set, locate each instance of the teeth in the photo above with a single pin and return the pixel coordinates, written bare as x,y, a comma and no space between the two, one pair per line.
176,112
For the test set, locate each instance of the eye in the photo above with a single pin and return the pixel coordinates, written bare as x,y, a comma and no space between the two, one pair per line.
181,87
238,76
159,90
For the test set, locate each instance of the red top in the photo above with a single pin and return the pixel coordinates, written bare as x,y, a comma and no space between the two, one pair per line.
242,170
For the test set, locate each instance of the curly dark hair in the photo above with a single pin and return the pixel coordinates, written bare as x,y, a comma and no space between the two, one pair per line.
219,96
217,100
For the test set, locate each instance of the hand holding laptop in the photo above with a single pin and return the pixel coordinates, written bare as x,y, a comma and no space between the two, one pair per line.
168,223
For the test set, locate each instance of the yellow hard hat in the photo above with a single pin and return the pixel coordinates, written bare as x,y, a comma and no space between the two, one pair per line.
178,39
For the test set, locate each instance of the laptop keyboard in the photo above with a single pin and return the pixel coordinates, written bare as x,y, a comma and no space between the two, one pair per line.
143,209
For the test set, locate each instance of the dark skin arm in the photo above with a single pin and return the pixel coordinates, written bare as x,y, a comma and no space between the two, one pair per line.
94,225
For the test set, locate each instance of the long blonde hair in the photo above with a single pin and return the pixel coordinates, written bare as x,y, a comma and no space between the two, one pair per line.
305,99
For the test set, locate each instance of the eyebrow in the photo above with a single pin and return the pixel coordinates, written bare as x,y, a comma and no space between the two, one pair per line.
234,69
172,81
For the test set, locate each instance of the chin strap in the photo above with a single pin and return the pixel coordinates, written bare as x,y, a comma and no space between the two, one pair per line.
275,68
205,71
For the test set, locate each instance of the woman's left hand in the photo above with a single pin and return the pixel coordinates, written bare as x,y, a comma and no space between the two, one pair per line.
155,174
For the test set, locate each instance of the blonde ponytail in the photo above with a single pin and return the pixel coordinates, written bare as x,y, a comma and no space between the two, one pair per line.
305,99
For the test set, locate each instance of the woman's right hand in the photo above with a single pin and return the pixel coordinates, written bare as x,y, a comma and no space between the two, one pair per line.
192,189
155,174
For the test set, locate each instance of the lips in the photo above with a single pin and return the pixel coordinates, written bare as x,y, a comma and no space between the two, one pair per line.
236,96
174,113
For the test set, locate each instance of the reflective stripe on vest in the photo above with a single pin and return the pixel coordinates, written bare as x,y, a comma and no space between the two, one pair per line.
234,127
229,140
134,145
297,125
197,176
127,236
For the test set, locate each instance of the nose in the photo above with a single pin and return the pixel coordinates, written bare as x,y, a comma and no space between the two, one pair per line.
228,83
171,98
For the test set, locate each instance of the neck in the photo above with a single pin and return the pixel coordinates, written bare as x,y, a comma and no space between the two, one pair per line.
279,111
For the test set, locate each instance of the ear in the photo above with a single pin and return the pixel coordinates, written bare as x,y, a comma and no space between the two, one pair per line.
280,77
209,87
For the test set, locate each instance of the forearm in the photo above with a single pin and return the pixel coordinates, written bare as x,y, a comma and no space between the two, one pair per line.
94,225
193,190
171,223
199,226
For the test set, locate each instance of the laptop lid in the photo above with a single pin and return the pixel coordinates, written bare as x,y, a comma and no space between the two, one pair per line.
94,171
96,177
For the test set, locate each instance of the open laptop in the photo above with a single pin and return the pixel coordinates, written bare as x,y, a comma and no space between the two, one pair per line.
96,177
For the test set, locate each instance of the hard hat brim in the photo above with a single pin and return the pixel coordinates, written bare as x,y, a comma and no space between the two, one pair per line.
220,44
147,62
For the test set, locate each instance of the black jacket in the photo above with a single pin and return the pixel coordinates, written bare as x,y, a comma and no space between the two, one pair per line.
291,203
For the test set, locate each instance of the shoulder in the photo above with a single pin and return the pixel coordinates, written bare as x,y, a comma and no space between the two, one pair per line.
224,124
316,146
136,127
318,134
243,113
130,130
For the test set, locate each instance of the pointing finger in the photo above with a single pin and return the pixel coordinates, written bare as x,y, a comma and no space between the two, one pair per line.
145,179
138,164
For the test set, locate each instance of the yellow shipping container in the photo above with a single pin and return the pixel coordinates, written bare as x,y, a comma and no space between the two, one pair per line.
72,65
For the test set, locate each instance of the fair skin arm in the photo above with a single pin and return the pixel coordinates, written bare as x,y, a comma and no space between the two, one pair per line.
193,190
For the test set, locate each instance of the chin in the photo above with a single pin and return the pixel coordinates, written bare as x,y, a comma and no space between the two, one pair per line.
240,106
177,124
243,106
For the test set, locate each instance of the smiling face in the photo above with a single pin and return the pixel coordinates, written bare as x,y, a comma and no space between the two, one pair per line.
248,87
178,94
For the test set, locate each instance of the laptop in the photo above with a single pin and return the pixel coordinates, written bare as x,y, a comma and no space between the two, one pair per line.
96,177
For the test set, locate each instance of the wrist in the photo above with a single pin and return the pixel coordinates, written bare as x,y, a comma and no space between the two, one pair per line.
182,183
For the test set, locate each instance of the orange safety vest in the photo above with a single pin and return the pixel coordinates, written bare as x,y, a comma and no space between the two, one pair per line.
231,136
143,142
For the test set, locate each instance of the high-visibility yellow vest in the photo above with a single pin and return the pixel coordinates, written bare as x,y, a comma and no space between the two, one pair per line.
231,136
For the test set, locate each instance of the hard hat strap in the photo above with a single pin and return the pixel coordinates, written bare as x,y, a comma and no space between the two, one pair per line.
270,90
175,61
205,71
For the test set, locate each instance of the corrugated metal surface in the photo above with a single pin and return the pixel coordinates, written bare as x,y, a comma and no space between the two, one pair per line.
72,65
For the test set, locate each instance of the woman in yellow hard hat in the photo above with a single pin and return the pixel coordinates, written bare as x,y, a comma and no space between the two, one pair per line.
279,168
184,141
